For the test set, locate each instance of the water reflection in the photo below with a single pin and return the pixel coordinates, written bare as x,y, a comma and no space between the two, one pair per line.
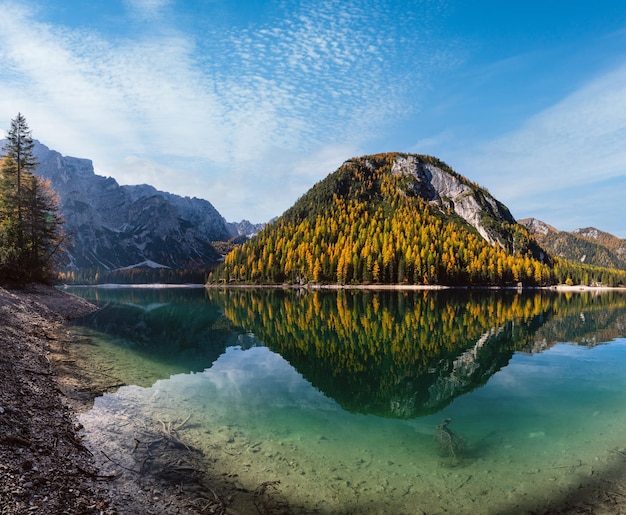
406,354
158,332
388,353
548,418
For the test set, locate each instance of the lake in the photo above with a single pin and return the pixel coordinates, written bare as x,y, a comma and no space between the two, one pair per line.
361,401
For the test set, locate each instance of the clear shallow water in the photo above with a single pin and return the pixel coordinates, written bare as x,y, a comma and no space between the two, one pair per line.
338,395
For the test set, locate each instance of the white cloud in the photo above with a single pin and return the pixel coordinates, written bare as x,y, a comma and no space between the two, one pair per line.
147,9
557,158
278,179
579,140
220,109
146,171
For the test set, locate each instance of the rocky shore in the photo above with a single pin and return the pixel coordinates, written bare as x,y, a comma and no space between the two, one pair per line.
44,467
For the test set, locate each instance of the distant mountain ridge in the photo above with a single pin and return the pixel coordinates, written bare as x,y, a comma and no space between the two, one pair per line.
118,227
114,227
589,245
606,239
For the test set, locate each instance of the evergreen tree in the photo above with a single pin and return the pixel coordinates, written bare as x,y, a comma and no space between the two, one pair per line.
30,225
19,147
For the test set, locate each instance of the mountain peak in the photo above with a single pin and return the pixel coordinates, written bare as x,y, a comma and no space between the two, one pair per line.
537,226
589,245
414,176
391,218
116,227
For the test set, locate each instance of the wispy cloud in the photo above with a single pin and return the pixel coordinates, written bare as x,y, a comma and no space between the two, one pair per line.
325,71
275,186
556,157
209,108
147,9
250,114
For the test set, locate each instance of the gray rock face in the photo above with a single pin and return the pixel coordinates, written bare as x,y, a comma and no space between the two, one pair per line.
244,228
471,203
538,227
112,226
200,213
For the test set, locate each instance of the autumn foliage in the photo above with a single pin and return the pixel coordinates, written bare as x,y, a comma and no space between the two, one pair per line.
362,225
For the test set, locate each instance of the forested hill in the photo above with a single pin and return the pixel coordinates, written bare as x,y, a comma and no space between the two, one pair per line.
392,218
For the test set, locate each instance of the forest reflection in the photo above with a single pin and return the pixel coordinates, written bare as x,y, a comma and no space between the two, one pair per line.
406,354
390,353
174,327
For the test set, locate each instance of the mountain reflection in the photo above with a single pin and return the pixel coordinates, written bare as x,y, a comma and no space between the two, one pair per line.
406,354
390,353
174,327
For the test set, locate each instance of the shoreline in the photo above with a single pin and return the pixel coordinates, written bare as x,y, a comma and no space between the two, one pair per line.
337,287
44,466
416,287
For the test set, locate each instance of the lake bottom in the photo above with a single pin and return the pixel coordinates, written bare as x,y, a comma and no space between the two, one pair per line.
539,430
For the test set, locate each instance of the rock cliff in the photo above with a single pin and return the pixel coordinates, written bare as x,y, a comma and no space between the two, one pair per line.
111,226
438,184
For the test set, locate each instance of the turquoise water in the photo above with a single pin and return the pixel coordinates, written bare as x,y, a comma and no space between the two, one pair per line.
339,395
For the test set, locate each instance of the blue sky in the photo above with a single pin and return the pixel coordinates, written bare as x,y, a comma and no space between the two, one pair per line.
249,103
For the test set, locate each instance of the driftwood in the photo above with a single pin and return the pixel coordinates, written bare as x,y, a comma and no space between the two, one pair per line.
621,453
16,440
169,433
268,500
451,445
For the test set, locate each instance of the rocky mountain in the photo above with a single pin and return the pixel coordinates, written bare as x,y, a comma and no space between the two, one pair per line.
611,242
392,218
437,183
111,226
244,228
422,177
589,245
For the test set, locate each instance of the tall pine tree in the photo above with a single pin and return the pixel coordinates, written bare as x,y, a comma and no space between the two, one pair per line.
30,227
